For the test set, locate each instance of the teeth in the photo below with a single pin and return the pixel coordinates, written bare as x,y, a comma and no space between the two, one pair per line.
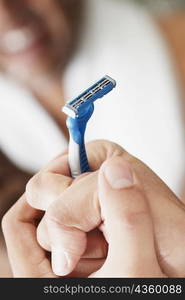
17,40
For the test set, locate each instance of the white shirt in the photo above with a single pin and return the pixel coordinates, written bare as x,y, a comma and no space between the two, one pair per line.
142,113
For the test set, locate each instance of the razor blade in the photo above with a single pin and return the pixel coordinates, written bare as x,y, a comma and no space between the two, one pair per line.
79,111
75,108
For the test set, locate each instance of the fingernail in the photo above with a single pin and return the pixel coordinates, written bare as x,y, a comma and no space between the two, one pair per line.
118,174
59,262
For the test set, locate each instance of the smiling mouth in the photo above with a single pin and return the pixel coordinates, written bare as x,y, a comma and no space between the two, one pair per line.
22,40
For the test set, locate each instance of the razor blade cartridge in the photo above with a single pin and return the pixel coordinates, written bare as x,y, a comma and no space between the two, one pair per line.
76,107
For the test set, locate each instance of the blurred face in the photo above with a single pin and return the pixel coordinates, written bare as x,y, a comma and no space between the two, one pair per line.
35,36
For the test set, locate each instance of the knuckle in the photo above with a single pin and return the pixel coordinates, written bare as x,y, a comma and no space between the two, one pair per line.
42,235
59,217
131,158
44,187
51,216
65,183
113,149
32,187
109,148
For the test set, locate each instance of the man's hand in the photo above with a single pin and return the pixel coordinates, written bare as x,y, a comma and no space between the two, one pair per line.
73,209
126,224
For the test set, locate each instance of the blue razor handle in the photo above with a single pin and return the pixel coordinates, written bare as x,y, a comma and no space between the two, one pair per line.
79,112
77,154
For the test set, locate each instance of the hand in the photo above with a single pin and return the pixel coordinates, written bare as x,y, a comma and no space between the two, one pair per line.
29,259
166,210
126,224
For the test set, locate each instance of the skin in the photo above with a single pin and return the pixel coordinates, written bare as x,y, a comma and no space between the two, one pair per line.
83,226
57,31
172,28
39,68
60,28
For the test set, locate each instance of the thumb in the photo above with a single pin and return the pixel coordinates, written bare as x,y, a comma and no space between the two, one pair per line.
127,224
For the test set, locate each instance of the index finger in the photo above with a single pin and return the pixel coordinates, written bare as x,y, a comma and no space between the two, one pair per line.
97,152
47,185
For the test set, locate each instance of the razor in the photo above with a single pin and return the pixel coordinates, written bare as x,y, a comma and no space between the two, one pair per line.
79,111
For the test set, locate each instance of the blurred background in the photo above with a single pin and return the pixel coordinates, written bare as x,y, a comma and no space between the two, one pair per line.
50,50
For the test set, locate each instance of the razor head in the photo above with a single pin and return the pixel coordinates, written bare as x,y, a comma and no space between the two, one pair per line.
76,107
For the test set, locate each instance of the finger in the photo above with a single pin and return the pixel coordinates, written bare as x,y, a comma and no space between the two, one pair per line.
43,235
168,215
44,188
96,247
86,266
97,151
26,257
127,224
100,150
93,257
68,219
47,185
58,165
166,209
